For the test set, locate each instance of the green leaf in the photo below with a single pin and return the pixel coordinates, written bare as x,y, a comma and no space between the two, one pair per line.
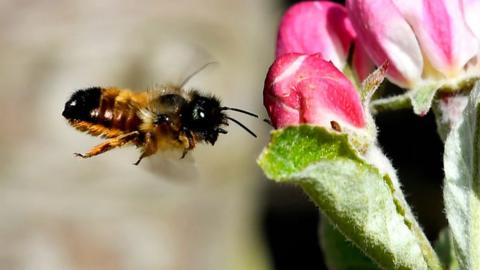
462,183
445,250
294,148
363,203
339,253
422,97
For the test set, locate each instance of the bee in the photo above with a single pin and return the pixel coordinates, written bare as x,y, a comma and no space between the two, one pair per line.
156,120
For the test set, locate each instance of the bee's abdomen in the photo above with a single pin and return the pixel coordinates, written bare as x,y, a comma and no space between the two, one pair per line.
81,104
110,108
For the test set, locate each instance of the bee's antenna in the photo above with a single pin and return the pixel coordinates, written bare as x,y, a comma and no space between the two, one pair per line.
239,110
185,81
240,124
266,120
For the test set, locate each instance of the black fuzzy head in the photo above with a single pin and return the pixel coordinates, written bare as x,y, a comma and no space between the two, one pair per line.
203,116
81,103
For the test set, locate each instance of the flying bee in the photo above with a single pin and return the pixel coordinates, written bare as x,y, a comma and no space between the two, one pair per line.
163,119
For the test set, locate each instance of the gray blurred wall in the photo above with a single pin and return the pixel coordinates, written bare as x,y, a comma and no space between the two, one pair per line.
59,212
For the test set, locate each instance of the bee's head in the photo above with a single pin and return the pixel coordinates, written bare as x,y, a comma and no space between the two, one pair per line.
204,116
81,103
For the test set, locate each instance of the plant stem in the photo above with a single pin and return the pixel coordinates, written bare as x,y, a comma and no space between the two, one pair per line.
390,104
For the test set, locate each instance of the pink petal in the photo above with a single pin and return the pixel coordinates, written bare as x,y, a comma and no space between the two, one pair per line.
361,62
442,32
316,27
386,35
471,13
302,88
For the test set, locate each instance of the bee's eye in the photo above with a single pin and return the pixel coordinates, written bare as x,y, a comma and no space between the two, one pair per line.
199,113
202,115
71,104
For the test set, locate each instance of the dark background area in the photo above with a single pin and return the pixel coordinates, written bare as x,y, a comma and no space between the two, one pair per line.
290,220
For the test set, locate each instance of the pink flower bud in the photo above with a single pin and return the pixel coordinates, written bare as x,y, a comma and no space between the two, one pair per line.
302,88
386,35
316,27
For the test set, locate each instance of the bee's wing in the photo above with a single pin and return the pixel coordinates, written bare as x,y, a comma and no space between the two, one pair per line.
170,166
154,94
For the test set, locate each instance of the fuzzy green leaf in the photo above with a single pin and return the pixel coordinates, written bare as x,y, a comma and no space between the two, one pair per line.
339,253
297,147
350,192
462,183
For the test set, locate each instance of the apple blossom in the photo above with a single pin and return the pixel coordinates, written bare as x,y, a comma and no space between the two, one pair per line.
423,40
316,27
304,88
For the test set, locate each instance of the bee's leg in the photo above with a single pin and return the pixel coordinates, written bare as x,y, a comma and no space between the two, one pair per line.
184,153
109,144
148,149
188,141
140,159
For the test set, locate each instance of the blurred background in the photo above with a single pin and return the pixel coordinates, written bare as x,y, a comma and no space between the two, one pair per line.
213,210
